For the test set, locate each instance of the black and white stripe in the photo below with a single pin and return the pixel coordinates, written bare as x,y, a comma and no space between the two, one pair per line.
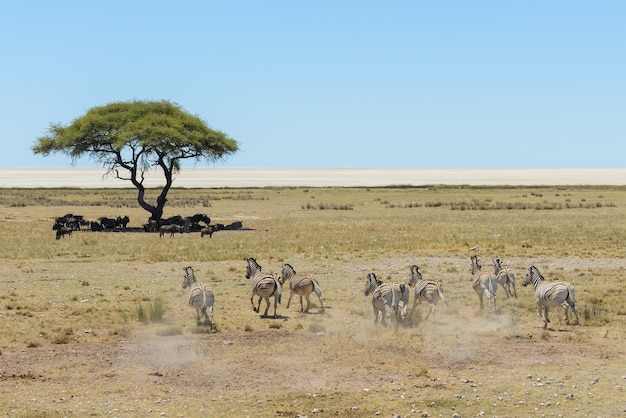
302,284
264,285
484,284
201,298
551,294
387,298
427,290
505,277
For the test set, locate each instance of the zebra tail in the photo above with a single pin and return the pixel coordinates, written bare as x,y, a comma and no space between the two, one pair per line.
440,288
570,297
317,289
279,289
489,288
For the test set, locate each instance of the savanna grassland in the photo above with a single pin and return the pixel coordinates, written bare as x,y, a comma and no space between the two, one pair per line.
98,324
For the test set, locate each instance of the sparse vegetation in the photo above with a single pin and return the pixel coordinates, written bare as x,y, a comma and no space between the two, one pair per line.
109,307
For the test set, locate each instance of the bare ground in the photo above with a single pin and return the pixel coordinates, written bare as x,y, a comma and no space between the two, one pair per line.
465,363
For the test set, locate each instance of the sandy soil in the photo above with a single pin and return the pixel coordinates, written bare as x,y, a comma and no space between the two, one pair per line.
464,355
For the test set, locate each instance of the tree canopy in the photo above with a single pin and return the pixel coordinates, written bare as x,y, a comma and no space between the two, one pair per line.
131,138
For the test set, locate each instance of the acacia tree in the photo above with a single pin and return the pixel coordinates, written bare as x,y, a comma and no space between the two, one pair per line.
131,138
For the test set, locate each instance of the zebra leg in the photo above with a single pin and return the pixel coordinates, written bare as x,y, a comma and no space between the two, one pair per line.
322,309
211,319
565,307
275,303
267,306
384,312
308,303
415,302
289,301
254,308
431,310
301,304
546,319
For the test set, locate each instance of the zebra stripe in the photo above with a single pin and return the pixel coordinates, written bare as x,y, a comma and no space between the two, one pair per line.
428,290
484,284
387,297
303,285
201,298
551,294
505,277
264,285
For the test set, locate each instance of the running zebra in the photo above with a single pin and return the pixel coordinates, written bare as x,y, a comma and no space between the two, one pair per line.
551,294
387,297
302,285
264,285
484,284
201,298
505,277
428,290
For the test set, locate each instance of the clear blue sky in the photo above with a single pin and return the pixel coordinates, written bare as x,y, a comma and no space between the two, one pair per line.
332,83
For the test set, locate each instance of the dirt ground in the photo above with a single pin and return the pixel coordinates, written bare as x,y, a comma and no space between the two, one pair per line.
461,364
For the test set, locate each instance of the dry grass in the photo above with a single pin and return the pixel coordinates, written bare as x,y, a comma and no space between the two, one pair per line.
98,323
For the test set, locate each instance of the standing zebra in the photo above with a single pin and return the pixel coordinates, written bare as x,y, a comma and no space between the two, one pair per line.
428,290
484,284
302,285
505,277
264,285
551,294
201,298
386,296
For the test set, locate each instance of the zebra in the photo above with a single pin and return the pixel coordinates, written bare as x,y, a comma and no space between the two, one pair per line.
428,290
551,294
264,285
505,278
484,284
302,285
201,298
386,296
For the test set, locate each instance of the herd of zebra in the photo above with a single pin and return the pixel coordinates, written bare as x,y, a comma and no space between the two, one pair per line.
559,294
264,286
388,299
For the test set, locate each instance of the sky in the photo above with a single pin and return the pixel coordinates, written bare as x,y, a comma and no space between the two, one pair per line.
328,83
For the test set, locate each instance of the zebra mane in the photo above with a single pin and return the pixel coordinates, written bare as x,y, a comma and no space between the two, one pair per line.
254,263
288,271
534,271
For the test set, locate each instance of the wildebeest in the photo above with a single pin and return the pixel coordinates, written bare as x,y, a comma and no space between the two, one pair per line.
209,230
108,223
122,222
192,223
172,229
63,231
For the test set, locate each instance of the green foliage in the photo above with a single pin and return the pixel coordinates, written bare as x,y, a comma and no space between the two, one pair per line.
136,137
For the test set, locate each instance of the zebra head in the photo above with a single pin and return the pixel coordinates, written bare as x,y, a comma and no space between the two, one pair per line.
532,276
414,275
475,266
252,268
190,277
287,272
371,283
497,266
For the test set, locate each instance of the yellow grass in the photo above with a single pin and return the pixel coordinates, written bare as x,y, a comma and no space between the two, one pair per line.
75,340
